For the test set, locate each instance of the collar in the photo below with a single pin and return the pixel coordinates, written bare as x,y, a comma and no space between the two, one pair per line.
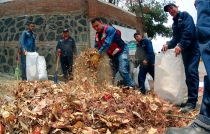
177,16
65,38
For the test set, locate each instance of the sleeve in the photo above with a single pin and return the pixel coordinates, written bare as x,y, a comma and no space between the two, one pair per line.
34,43
173,42
58,45
74,48
150,51
22,40
110,32
188,27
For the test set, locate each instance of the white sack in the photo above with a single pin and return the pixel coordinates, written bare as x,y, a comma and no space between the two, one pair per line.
41,66
31,66
169,77
135,78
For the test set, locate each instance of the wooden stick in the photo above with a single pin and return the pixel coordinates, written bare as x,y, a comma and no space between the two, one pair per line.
172,115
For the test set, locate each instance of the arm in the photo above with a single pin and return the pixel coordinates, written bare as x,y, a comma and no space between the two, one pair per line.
173,42
110,32
74,48
22,40
150,51
187,31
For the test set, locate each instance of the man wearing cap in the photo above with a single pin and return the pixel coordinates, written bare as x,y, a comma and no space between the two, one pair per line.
67,48
201,125
185,42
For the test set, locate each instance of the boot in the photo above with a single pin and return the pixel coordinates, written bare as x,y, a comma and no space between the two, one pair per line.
193,129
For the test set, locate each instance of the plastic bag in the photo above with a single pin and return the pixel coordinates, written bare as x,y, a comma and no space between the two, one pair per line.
31,66
41,65
35,67
169,77
135,78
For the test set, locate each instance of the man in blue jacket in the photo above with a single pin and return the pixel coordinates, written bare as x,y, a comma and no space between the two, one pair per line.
67,48
201,124
27,44
147,65
108,39
185,42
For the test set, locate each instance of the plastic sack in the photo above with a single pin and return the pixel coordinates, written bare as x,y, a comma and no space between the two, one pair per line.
41,66
169,77
31,66
135,79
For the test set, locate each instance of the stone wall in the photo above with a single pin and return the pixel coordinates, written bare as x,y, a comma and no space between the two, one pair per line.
50,17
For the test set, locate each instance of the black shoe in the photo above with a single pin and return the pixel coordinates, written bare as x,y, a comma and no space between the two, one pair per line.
187,130
183,104
187,108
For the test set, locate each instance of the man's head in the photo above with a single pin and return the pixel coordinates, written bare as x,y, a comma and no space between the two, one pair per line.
97,24
172,9
138,37
31,27
65,32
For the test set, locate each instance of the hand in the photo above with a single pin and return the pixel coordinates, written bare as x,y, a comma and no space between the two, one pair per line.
178,50
25,52
165,47
95,59
75,56
144,62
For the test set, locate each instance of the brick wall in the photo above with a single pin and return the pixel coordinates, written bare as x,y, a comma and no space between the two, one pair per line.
50,17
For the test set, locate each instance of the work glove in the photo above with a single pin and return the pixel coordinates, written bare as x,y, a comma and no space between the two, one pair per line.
94,59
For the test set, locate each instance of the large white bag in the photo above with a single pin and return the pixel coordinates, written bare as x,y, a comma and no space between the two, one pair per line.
169,77
41,66
35,67
135,78
31,66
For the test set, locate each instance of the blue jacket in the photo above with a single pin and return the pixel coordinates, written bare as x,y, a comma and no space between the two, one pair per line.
184,33
27,41
67,46
111,36
146,45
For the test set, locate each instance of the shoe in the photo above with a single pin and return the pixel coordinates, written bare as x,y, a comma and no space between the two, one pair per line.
187,108
183,104
187,130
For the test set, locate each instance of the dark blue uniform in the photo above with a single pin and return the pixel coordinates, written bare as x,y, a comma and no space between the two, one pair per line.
184,36
146,46
68,50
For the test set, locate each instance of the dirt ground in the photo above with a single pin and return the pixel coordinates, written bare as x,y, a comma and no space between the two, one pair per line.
8,84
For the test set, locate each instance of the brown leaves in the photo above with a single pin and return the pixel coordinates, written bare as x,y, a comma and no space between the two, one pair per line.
89,104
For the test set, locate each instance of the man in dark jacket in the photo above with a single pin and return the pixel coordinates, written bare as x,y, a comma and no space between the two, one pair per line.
201,125
185,42
147,64
67,47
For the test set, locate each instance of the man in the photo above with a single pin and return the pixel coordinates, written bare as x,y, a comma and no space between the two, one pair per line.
67,48
147,65
202,123
108,39
27,44
185,42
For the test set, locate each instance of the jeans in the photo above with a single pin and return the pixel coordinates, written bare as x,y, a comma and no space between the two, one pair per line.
66,65
191,62
23,66
142,76
203,26
120,63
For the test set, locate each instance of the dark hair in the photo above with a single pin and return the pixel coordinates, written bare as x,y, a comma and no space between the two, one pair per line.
136,34
30,23
95,19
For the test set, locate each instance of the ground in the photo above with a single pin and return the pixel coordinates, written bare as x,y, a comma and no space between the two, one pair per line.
8,83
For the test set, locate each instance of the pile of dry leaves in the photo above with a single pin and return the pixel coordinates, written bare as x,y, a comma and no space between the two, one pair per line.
87,105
